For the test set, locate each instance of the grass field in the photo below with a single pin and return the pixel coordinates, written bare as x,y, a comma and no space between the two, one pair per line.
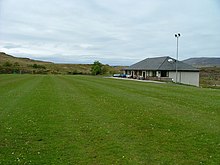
47,119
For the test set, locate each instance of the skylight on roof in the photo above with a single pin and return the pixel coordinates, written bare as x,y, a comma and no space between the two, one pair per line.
170,60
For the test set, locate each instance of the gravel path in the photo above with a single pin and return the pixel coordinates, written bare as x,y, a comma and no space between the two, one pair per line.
149,81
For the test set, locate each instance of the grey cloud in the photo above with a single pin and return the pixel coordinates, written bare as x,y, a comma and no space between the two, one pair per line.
11,46
113,31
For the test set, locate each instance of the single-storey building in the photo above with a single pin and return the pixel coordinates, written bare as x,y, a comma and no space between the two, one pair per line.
164,68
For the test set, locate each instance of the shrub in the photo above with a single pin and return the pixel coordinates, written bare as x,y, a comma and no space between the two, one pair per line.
7,64
36,66
98,68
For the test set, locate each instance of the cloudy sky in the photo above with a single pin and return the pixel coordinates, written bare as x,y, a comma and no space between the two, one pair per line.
116,32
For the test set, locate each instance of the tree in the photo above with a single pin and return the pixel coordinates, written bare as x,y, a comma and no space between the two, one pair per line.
96,68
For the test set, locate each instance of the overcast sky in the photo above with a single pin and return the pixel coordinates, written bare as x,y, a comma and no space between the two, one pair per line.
116,32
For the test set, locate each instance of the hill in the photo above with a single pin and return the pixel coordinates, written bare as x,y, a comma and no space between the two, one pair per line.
23,61
11,64
203,62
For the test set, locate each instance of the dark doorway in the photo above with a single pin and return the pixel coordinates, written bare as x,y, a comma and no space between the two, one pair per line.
144,74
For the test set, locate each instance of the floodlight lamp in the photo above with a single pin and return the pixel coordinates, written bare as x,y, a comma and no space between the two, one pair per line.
177,35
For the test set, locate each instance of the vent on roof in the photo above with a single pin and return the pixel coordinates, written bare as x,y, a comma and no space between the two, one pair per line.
170,60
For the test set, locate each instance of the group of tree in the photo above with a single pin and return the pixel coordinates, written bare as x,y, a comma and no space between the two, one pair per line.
98,68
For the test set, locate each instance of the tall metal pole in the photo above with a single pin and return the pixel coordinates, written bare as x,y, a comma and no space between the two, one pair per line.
177,46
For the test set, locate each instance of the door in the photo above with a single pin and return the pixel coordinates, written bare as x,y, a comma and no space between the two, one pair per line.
144,74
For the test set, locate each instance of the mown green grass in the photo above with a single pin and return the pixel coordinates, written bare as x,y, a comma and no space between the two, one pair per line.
46,119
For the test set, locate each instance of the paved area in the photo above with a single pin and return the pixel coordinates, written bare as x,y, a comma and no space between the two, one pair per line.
149,81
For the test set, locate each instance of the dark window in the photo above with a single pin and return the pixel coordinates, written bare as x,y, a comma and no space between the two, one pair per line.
164,74
154,73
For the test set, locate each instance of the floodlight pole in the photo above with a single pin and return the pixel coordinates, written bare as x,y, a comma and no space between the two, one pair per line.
177,46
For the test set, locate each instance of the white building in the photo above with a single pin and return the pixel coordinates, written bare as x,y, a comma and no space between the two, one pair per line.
164,68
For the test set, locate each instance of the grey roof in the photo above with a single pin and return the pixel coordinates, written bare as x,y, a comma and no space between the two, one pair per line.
161,63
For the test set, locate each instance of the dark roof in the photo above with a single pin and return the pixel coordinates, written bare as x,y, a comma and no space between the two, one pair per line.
161,63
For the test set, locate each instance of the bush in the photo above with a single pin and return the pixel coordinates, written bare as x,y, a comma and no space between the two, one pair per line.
7,64
98,68
36,66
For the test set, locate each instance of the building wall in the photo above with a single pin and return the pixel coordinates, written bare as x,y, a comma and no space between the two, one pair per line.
190,78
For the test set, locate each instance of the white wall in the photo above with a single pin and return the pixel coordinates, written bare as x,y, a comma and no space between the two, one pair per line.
190,78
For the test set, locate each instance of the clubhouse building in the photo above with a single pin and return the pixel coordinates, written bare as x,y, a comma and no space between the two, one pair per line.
164,68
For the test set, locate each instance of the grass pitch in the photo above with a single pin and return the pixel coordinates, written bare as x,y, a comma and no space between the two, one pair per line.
47,119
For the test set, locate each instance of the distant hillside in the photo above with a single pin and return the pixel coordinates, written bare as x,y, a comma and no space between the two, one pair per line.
203,62
5,57
11,64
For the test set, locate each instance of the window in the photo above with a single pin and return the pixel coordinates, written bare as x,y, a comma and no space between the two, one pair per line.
154,73
164,73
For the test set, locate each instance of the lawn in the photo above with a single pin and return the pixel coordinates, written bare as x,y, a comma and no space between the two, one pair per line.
58,119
